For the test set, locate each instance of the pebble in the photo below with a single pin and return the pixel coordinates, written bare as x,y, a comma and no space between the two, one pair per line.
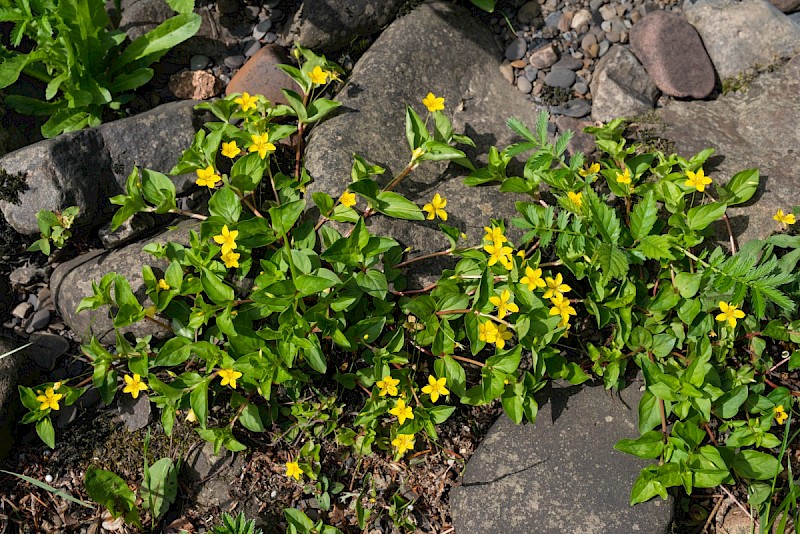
507,71
524,85
577,108
582,17
234,62
261,29
531,72
252,12
25,275
528,12
39,320
543,57
552,19
581,88
569,63
604,46
198,62
608,12
22,310
270,38
251,48
48,478
517,49
563,78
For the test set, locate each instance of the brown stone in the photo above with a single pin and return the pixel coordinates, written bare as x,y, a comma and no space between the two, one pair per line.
565,22
787,6
195,85
261,75
543,57
519,64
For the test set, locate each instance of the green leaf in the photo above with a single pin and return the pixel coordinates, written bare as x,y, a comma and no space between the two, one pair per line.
756,465
506,361
160,486
416,133
644,216
109,490
51,489
741,187
198,400
486,5
44,427
603,218
450,369
226,204
438,151
648,445
396,205
284,216
320,108
11,68
181,6
727,406
296,103
65,120
657,247
700,217
216,289
128,81
688,284
158,190
152,45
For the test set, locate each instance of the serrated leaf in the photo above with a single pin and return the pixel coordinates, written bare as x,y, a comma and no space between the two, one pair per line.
656,247
644,216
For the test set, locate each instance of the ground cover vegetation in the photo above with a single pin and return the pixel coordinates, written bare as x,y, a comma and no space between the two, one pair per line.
281,305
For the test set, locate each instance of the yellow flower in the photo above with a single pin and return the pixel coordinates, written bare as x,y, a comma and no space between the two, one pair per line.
387,385
494,235
436,207
435,388
246,101
229,377
134,385
503,304
780,414
562,307
497,252
261,145
503,335
231,259
594,168
624,178
227,239
403,443
348,199
191,417
697,180
318,76
576,198
207,177
784,219
162,284
402,411
293,470
50,399
533,277
433,103
230,150
417,153
555,286
730,312
487,332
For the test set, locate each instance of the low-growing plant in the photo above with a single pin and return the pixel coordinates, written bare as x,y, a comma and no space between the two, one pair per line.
88,69
616,271
55,228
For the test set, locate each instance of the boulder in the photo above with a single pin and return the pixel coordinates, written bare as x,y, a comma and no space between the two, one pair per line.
787,6
261,75
560,474
756,129
621,87
740,35
673,55
461,64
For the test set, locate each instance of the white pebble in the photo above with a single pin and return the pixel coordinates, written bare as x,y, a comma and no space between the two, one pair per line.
273,494
48,478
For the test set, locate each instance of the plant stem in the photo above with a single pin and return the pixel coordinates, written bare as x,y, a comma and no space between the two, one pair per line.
468,360
188,214
423,257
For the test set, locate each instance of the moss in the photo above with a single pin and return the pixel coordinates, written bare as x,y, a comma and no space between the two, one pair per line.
646,130
555,96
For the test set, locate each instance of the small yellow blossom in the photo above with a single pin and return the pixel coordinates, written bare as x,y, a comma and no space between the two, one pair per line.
594,168
261,145
435,388
497,252
318,75
134,385
162,284
494,235
433,103
417,153
562,307
533,277
231,259
435,207
402,411
575,198
487,332
784,219
207,177
293,470
229,377
387,385
230,150
246,101
503,304
191,417
227,239
697,180
730,312
555,286
780,414
348,199
403,443
50,399
503,335
624,178
56,385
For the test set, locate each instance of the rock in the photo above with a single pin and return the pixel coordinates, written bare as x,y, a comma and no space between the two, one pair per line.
212,475
228,7
608,12
261,29
621,87
135,413
261,75
22,310
461,67
581,141
565,23
582,17
198,62
543,57
672,53
774,98
507,71
524,85
787,6
562,473
251,48
72,281
88,167
577,108
329,25
589,45
569,63
563,78
528,12
26,275
734,35
195,85
39,320
47,349
516,49
581,87
130,229
235,61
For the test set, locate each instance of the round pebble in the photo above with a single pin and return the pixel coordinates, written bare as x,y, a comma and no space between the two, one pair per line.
270,38
198,62
48,478
516,49
528,12
234,62
563,78
524,85
531,72
261,29
251,48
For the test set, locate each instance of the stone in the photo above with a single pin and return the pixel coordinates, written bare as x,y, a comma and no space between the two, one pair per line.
507,71
251,48
261,75
26,274
672,53
734,35
198,62
787,6
39,320
581,18
135,413
524,85
563,78
47,349
543,57
235,61
577,108
581,141
566,21
608,12
194,85
72,281
529,12
569,63
621,87
329,25
130,229
261,29
562,473
516,49
463,50
22,310
739,140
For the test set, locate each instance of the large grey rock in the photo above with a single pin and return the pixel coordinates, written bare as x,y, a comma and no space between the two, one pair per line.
72,281
87,167
328,25
756,129
438,47
560,474
740,35
621,87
